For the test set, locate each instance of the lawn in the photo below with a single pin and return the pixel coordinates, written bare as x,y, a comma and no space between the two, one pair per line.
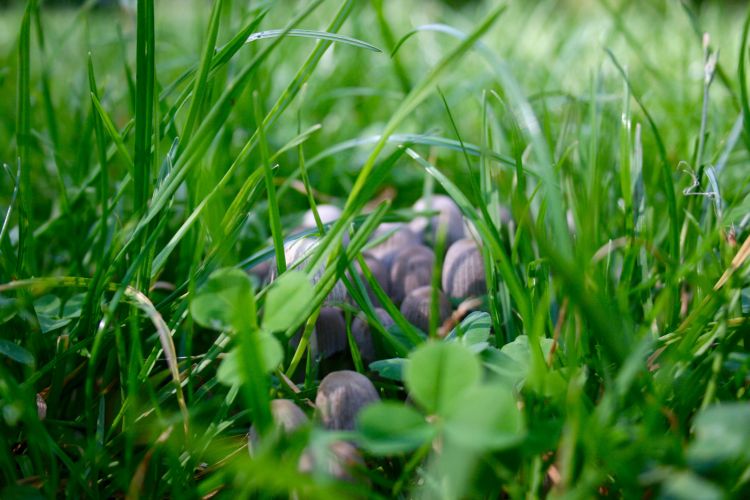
384,249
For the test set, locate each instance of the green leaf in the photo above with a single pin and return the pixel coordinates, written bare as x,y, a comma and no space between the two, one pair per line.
392,369
271,352
389,427
513,361
485,417
473,331
287,299
722,433
16,352
438,372
221,304
8,309
687,486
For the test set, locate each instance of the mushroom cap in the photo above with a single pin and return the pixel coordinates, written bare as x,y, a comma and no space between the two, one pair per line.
328,213
262,270
448,214
362,333
340,460
401,236
463,270
411,268
287,417
329,335
330,331
341,396
379,272
296,254
416,307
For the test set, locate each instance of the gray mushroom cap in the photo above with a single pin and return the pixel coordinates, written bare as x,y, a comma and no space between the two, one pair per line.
296,254
328,213
287,417
416,307
463,270
329,335
411,268
400,237
362,333
341,396
339,460
449,215
330,331
379,272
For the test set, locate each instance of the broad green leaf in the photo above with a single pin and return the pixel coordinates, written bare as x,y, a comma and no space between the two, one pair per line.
438,372
8,309
473,331
288,298
392,369
16,352
221,304
390,427
689,486
722,434
485,417
47,308
271,351
513,361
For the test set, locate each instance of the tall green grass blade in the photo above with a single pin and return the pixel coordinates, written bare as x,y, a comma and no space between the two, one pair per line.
318,35
26,260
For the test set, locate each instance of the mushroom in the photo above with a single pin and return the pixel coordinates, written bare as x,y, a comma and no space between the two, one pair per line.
463,270
339,460
400,236
329,336
341,396
327,214
262,271
296,254
287,417
379,272
448,214
362,333
330,331
416,307
411,268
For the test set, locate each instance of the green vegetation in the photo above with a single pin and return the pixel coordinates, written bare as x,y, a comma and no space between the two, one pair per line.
155,157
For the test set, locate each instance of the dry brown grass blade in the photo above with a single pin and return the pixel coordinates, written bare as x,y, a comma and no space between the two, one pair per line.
739,258
167,345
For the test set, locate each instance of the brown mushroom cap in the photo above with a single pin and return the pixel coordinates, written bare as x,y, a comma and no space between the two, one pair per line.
416,307
463,270
411,268
341,396
287,417
449,215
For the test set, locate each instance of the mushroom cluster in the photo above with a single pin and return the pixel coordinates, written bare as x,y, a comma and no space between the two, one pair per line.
341,396
401,258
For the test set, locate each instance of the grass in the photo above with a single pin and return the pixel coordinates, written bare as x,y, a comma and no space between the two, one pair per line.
148,165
